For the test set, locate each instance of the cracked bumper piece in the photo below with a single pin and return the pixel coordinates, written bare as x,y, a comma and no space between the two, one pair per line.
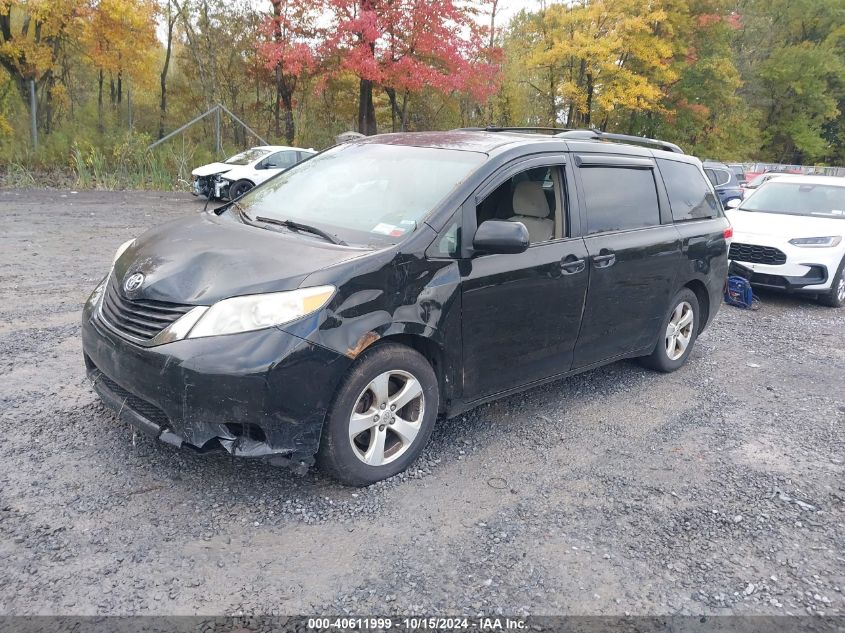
257,394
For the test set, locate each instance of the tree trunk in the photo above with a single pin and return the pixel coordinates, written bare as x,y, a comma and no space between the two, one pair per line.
405,111
119,87
162,106
394,108
366,109
277,103
100,126
48,109
588,116
290,125
494,5
278,36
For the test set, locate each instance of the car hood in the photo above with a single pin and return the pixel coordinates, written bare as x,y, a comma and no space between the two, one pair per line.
245,171
202,259
212,168
783,225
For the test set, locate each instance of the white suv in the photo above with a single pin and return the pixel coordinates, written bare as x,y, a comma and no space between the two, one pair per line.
240,173
791,232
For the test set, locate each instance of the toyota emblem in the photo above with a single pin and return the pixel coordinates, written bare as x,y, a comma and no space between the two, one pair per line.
133,282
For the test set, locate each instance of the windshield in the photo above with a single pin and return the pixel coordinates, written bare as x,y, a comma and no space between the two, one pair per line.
364,193
797,198
245,158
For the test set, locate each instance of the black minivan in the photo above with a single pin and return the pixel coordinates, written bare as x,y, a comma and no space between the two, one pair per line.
336,311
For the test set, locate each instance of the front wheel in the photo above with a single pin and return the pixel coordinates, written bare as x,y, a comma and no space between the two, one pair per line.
835,297
382,416
677,334
239,188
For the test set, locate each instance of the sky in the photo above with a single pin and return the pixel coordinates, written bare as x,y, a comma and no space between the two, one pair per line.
508,8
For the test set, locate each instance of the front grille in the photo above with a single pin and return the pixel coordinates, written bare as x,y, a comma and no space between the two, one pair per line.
131,401
757,254
138,318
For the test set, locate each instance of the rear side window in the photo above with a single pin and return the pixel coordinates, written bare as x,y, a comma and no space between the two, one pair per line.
718,177
689,195
281,159
619,198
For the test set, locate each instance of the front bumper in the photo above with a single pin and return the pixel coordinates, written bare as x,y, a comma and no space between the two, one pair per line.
813,281
806,270
256,394
221,188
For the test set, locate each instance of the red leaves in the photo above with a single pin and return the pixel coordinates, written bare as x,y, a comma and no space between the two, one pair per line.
288,32
406,45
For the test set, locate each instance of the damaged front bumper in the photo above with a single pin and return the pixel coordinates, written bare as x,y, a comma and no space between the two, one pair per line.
256,394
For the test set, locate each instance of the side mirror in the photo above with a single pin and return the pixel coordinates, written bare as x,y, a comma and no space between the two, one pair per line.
733,203
501,236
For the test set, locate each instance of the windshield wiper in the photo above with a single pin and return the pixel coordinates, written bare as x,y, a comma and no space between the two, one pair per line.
306,228
240,210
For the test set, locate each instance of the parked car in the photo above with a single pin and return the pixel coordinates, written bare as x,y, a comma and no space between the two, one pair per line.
790,233
341,307
240,173
724,181
738,170
755,182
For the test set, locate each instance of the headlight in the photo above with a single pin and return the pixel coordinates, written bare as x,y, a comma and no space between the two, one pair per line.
97,293
255,312
817,242
121,249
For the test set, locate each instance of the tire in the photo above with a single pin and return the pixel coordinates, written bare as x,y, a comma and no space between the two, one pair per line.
376,380
239,188
835,297
680,340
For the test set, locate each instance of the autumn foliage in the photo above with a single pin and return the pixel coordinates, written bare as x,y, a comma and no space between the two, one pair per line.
729,79
399,46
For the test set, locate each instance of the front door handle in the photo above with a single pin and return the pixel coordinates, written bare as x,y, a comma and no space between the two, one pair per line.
604,259
570,265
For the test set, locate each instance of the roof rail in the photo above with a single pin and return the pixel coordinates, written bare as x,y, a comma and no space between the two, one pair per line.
598,135
496,128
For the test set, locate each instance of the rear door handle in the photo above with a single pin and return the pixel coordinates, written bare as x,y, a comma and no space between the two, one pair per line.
571,265
605,259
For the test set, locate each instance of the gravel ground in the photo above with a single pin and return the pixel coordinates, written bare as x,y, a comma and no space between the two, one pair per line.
717,489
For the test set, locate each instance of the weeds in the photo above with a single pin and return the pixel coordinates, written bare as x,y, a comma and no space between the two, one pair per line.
18,176
126,165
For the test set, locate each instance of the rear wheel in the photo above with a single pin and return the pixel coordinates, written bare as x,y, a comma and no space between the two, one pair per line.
677,334
835,297
239,188
382,416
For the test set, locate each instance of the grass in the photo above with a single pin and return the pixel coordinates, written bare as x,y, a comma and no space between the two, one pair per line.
127,164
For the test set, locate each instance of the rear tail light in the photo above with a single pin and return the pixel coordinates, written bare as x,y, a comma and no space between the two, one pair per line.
729,232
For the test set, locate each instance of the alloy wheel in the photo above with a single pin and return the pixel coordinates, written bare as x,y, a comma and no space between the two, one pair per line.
679,330
387,417
840,290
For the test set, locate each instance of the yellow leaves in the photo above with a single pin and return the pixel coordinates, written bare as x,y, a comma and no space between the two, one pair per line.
36,26
119,36
612,54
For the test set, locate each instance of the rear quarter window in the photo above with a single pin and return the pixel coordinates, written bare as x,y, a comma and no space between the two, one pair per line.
689,195
719,177
619,198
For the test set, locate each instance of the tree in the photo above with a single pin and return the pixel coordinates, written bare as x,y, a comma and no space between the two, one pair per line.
793,56
32,50
603,56
289,55
120,39
404,46
170,17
